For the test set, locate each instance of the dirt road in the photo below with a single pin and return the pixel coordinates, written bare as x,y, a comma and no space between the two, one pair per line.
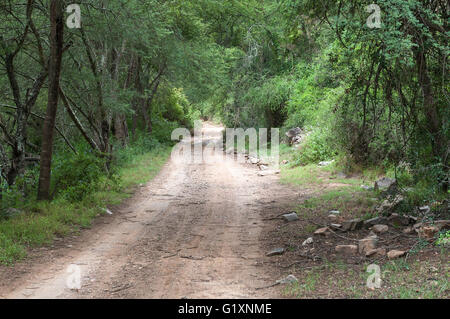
194,231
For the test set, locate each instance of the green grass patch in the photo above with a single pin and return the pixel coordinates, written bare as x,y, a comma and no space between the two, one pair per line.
42,221
301,175
312,174
349,200
426,279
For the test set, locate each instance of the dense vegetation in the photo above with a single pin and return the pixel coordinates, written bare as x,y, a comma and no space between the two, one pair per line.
137,69
369,96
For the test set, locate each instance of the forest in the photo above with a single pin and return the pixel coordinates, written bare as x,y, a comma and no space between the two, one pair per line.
89,87
136,69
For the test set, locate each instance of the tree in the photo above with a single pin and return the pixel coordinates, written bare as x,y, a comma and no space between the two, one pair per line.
54,70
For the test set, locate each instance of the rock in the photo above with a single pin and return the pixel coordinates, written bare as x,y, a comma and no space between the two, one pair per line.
380,229
390,204
367,188
428,232
332,217
399,220
295,135
294,132
326,163
375,221
263,167
106,210
396,254
335,212
366,244
378,252
308,241
372,234
288,280
266,173
290,217
408,230
253,160
347,249
424,209
385,184
322,231
284,162
297,139
353,224
336,226
275,252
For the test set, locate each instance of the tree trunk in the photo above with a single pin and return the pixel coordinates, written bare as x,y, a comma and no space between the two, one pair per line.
56,49
438,142
140,100
121,129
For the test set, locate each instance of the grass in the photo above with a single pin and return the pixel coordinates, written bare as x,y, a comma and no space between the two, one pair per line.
302,175
312,174
350,201
345,195
415,277
299,290
399,280
415,280
45,220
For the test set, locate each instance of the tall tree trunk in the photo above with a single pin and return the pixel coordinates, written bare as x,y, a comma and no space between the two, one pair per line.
56,50
119,119
148,103
438,142
104,122
140,100
121,129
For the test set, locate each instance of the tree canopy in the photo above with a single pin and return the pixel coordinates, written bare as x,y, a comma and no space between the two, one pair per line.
374,96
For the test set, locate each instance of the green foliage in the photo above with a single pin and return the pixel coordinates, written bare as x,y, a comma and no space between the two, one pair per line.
45,220
75,176
318,146
141,144
444,238
370,97
9,250
173,105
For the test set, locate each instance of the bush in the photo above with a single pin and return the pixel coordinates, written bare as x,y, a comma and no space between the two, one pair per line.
142,143
317,146
75,176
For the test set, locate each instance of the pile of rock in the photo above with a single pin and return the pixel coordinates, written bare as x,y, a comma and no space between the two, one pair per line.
389,204
378,226
385,184
263,166
295,136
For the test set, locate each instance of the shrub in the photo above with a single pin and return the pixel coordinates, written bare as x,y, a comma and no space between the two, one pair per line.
318,146
75,176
